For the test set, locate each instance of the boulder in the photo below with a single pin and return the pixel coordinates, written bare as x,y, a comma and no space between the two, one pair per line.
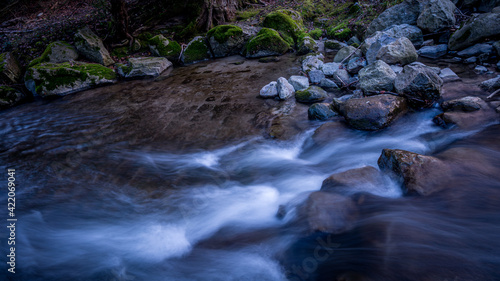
346,52
355,65
397,69
315,76
312,61
307,45
420,84
374,48
448,75
51,79
311,95
226,40
413,33
328,84
330,68
466,104
57,52
476,50
341,77
364,178
196,51
334,44
377,77
480,69
373,113
285,89
491,85
470,60
299,82
270,90
433,52
479,27
287,22
400,51
143,67
416,172
404,13
90,46
10,71
10,97
436,15
320,111
162,47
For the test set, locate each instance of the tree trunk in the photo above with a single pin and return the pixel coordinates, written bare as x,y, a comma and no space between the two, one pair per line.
120,17
216,12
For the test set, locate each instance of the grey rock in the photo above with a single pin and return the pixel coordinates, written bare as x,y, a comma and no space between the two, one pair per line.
480,69
353,40
397,69
436,15
448,75
315,76
476,50
355,65
10,97
58,52
420,84
400,51
307,45
311,95
496,45
312,62
90,46
429,42
345,52
334,44
377,77
466,104
491,85
341,77
285,89
433,52
372,51
397,31
404,13
142,67
320,111
330,68
270,90
470,60
479,27
299,82
326,83
10,71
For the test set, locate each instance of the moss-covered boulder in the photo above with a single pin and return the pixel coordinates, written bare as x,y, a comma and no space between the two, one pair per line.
57,52
9,97
90,46
226,40
287,22
268,42
316,33
311,95
58,79
307,45
143,67
340,32
197,50
10,71
162,47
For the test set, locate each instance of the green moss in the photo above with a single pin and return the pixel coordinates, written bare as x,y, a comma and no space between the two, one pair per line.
145,36
166,48
355,45
126,68
48,51
283,22
316,33
120,52
267,39
341,32
196,50
244,15
222,32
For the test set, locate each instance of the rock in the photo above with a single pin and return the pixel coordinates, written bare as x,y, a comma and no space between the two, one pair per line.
358,179
346,52
315,76
10,97
400,51
226,40
496,45
373,113
430,42
436,15
476,50
327,212
413,33
416,172
162,47
341,77
287,22
312,62
307,45
448,75
470,60
285,89
320,111
465,104
57,52
491,85
479,27
10,71
420,84
433,52
355,65
50,79
377,77
404,13
480,69
334,44
330,68
299,82
373,49
91,47
463,114
311,95
143,67
196,51
397,69
326,83
330,132
270,90
353,41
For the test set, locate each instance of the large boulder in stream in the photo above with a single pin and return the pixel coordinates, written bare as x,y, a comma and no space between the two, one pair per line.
226,40
51,79
401,51
378,76
373,113
287,22
57,52
436,15
162,47
143,67
10,71
404,13
268,42
417,173
90,46
476,29
413,33
365,178
420,84
320,111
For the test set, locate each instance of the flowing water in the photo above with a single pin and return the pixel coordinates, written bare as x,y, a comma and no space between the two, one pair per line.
99,203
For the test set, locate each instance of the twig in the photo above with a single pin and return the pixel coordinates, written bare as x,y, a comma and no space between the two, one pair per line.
352,53
493,94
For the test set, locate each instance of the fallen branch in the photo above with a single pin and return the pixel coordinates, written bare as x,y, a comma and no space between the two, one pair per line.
352,53
493,94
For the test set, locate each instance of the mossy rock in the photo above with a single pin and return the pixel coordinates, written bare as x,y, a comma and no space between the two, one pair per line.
340,32
197,50
10,70
307,45
222,33
311,95
90,46
162,47
316,33
244,15
268,42
51,79
284,22
56,52
226,40
10,97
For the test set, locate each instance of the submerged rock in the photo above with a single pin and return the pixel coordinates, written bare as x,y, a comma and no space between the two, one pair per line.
377,77
299,82
479,27
311,95
364,178
50,79
57,52
162,47
400,51
196,51
10,71
10,97
320,111
420,84
90,46
145,66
